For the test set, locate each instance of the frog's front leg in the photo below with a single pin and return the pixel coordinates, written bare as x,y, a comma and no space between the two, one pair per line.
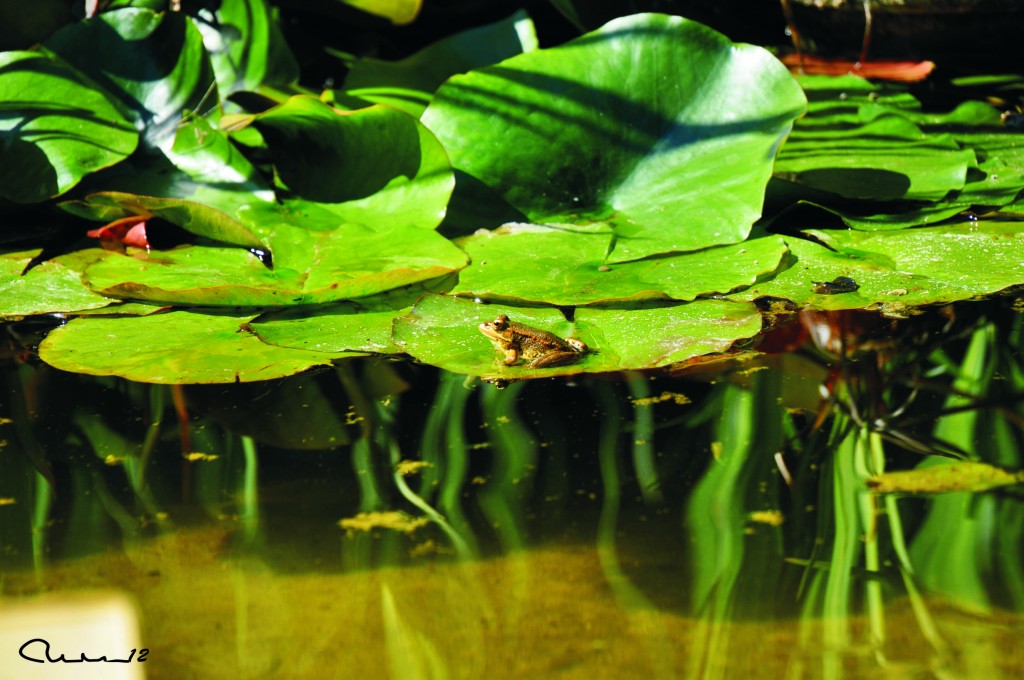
555,359
511,356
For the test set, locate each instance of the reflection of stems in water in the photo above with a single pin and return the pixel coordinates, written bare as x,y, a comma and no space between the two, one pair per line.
40,521
250,510
644,617
444,447
736,564
366,459
514,457
643,441
461,547
156,414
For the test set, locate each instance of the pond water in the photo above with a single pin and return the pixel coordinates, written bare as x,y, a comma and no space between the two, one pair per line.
387,519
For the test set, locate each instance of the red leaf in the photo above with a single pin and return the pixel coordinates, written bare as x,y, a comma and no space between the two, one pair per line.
130,231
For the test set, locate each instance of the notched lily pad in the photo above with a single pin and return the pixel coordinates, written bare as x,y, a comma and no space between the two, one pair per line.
354,325
526,262
174,348
443,331
351,261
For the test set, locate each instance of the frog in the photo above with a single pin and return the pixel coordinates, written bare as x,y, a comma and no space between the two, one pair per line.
538,347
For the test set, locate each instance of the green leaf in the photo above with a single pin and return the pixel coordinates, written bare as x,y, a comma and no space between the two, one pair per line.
174,348
50,287
907,168
246,46
358,326
655,125
443,331
379,164
57,127
926,265
409,83
155,64
566,267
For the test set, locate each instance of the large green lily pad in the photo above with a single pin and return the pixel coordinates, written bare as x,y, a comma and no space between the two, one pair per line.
56,128
443,331
654,125
174,348
349,261
527,262
926,265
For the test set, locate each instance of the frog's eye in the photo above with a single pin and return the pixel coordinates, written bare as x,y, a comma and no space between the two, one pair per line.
577,345
501,323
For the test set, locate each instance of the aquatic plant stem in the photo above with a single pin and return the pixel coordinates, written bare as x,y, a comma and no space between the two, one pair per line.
643,441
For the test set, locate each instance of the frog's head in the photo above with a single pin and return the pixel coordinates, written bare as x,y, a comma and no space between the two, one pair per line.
497,330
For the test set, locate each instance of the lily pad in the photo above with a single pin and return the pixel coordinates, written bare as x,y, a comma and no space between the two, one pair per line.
379,164
926,265
50,287
57,128
350,261
443,331
174,348
154,63
528,262
654,125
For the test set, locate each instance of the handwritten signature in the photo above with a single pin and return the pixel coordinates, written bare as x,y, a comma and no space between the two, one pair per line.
82,658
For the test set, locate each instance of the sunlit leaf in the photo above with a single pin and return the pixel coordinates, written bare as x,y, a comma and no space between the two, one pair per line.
173,348
348,261
246,46
155,64
49,287
566,267
654,125
396,11
56,127
379,164
357,326
409,83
